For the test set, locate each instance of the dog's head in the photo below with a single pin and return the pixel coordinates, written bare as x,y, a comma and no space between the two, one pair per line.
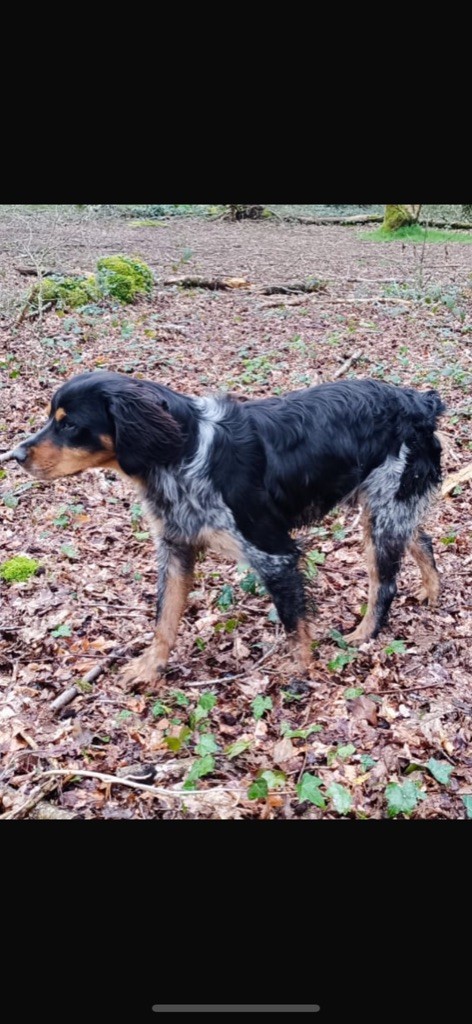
102,420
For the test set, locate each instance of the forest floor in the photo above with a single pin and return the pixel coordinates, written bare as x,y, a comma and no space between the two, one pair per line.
381,730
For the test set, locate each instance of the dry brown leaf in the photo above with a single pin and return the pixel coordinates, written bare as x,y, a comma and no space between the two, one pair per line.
283,751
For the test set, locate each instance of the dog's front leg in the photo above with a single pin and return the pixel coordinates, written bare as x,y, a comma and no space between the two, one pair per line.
175,577
284,581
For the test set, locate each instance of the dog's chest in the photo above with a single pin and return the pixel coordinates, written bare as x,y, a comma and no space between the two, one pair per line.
182,507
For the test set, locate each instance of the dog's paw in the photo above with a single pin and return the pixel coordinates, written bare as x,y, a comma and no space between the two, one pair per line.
425,595
358,636
142,671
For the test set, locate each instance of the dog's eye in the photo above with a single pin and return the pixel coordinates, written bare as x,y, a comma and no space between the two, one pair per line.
69,427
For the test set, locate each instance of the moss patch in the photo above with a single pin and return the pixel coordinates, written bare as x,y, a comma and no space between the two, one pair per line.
122,278
18,569
65,292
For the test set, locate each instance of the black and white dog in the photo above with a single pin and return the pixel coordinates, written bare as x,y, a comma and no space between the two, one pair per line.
239,476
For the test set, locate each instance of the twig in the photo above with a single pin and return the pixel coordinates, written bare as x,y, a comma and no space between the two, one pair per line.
35,798
407,689
34,271
455,479
73,691
376,298
171,327
346,366
114,780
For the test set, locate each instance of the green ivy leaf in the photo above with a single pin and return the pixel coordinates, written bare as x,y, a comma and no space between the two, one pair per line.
274,779
69,550
225,598
309,789
175,743
207,701
396,647
402,799
302,734
63,630
340,662
237,748
341,798
258,790
202,767
206,744
440,770
61,520
343,753
352,692
10,500
260,705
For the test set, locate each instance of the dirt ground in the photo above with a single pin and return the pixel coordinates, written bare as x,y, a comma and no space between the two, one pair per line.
382,730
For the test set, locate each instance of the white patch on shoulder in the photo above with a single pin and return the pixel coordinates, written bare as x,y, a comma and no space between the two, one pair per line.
211,411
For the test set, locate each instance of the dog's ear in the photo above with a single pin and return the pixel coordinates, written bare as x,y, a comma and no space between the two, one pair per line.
145,433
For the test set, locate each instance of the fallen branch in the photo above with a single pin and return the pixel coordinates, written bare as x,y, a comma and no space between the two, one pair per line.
215,283
35,312
33,271
347,365
455,479
393,300
73,691
284,302
291,289
358,218
114,780
35,801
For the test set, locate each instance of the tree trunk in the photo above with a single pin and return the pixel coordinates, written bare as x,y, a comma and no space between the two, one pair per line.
400,216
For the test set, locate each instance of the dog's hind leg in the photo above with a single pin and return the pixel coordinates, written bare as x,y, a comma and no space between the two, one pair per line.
421,549
384,550
393,509
175,578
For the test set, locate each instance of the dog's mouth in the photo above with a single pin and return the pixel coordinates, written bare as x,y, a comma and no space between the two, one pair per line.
24,458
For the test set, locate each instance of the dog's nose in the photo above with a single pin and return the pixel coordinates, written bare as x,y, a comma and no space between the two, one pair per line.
19,454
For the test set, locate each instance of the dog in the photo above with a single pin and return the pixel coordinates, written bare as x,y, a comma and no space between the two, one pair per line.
239,476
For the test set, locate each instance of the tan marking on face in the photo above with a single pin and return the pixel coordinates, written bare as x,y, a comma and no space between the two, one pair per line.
49,461
107,442
429,574
60,414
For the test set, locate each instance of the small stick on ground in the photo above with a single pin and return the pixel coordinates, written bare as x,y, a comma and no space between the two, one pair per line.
68,695
114,780
347,365
35,799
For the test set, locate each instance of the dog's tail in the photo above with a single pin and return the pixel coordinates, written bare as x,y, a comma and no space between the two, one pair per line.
422,472
432,407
